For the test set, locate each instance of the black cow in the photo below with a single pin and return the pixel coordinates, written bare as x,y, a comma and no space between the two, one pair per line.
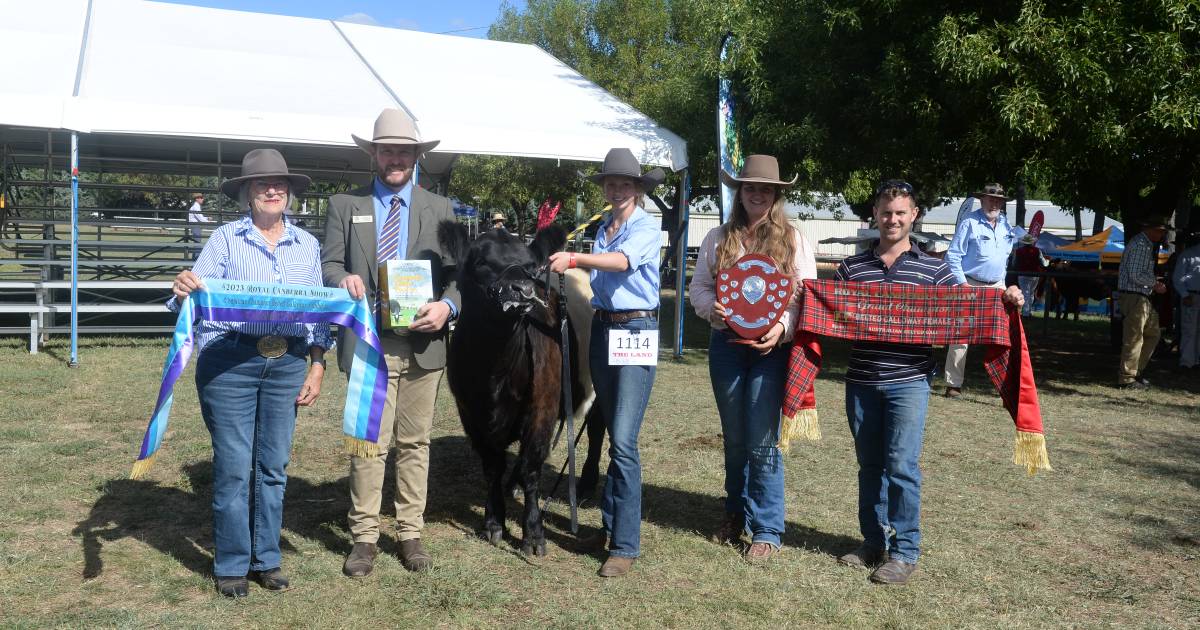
505,361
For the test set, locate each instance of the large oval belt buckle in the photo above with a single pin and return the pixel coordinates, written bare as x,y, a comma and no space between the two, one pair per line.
272,346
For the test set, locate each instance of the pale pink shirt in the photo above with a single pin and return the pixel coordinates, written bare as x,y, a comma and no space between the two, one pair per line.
703,289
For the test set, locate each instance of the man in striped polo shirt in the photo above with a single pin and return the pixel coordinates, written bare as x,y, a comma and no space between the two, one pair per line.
887,393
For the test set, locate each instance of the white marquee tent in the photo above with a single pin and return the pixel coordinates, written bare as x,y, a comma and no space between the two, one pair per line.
155,69
145,80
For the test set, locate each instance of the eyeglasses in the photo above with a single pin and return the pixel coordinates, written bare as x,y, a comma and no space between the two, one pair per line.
894,184
280,186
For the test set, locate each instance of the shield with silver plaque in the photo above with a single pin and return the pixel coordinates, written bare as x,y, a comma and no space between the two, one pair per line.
755,293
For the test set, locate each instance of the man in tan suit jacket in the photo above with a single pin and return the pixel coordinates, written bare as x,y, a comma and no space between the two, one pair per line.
393,218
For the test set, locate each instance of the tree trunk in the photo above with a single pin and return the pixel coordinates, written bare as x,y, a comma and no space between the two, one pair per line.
1078,223
518,212
1098,221
1021,203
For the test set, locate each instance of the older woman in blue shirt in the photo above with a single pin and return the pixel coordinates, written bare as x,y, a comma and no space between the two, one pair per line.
252,376
624,268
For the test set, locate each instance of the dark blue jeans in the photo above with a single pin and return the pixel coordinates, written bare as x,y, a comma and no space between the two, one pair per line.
249,406
622,392
748,387
888,424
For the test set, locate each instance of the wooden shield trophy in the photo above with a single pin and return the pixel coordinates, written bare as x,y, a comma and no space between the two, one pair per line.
755,293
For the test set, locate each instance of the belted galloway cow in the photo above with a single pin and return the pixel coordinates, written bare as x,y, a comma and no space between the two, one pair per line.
505,363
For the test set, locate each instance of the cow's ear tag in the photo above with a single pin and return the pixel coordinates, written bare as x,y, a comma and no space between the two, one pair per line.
755,293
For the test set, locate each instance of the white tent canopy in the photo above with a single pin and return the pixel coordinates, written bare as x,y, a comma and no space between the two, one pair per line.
153,69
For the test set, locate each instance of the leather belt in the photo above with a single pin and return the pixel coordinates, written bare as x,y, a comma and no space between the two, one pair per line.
620,317
974,279
268,346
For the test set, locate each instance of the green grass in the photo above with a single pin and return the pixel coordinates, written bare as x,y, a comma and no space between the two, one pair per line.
1110,538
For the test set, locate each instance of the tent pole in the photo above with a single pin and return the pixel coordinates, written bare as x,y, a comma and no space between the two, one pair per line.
74,362
683,199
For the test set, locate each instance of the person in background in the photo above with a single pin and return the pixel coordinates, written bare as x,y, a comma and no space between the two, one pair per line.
252,376
625,286
1136,282
978,256
194,218
498,221
1187,284
1028,258
748,379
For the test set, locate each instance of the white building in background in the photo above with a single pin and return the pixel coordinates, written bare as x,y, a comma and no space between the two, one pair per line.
943,219
824,223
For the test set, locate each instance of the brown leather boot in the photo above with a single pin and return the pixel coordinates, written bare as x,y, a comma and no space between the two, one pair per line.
865,557
616,566
730,530
361,560
893,571
413,555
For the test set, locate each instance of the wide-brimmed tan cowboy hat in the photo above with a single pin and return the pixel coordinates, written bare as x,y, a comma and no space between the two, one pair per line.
621,163
394,126
992,190
264,163
760,169
1028,239
498,217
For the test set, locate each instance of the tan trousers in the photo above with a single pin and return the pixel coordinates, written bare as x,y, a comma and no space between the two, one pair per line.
1140,335
956,354
407,422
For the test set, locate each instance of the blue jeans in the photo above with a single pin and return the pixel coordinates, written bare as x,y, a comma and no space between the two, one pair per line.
888,424
622,391
249,406
749,391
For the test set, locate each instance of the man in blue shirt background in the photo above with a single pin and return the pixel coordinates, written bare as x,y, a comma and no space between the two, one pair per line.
978,256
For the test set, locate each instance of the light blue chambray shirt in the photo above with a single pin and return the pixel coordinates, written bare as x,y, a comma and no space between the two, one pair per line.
1187,271
237,251
636,288
980,251
383,205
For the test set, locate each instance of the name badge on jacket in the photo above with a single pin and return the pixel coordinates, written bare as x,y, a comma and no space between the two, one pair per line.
362,218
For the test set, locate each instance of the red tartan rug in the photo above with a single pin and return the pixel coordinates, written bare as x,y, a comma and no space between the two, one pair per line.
895,313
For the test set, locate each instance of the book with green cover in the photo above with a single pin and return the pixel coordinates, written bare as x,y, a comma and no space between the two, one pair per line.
406,285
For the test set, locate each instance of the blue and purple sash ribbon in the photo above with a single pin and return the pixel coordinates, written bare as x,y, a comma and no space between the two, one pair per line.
236,301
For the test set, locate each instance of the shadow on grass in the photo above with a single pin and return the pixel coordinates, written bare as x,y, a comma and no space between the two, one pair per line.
455,497
178,522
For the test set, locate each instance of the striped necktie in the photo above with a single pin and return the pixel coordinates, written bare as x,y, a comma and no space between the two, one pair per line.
389,238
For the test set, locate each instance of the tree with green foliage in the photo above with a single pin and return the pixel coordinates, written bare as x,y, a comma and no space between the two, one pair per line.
1096,103
658,56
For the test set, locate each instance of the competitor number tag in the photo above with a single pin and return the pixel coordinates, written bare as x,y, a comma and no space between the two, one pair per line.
632,347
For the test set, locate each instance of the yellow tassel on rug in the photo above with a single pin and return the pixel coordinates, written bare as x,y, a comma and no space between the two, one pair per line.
360,448
141,467
805,425
1031,452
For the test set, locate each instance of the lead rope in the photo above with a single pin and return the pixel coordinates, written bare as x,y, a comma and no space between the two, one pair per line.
567,404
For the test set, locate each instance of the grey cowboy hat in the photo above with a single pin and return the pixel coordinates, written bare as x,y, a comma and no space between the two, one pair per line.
264,163
621,163
395,126
992,190
760,169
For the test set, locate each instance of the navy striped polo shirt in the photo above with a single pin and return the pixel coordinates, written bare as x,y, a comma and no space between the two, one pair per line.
875,363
